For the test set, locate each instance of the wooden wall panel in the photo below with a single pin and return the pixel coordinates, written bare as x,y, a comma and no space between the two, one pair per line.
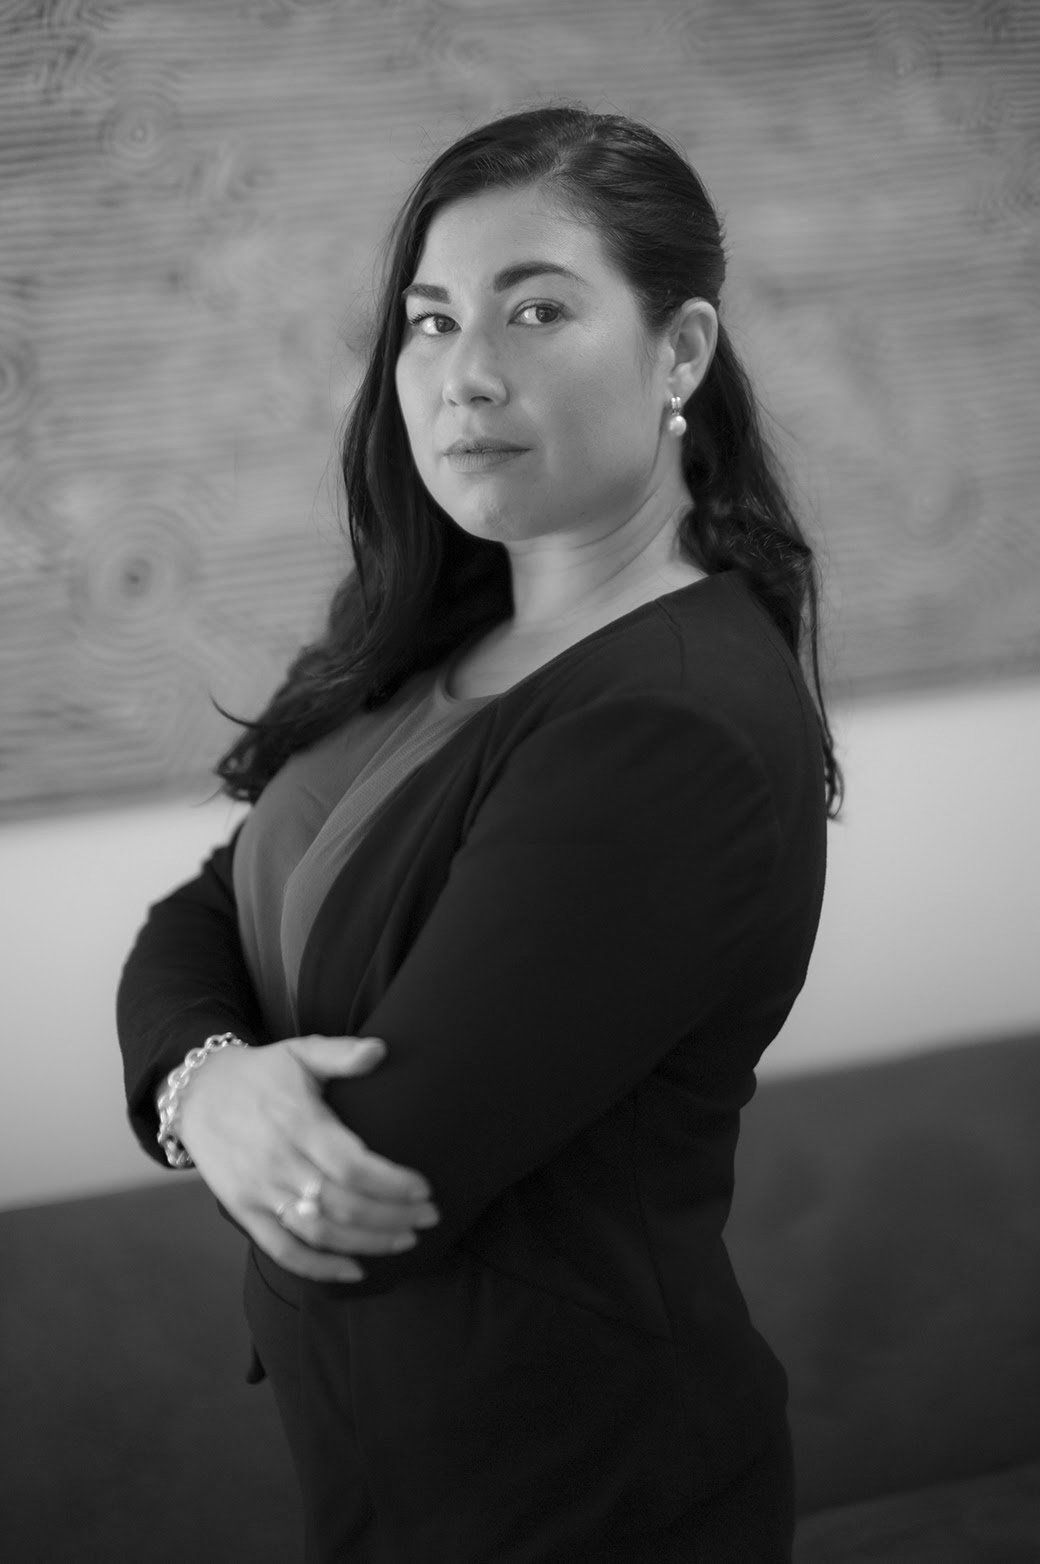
191,197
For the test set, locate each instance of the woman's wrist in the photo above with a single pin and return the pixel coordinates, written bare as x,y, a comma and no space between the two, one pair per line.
169,1097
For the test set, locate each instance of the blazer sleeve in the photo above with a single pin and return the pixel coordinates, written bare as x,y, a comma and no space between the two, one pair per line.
185,978
600,904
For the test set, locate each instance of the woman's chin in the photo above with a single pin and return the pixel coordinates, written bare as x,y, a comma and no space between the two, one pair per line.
495,523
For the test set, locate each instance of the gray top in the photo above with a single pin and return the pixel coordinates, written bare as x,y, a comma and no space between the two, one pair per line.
312,815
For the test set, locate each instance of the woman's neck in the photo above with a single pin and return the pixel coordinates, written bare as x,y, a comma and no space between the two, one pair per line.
559,589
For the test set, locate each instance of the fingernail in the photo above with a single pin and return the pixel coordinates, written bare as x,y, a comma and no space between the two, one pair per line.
406,1241
426,1218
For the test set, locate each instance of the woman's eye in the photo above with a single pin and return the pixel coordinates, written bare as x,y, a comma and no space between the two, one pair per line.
418,322
554,308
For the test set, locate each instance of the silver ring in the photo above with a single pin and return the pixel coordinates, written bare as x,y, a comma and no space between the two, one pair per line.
306,1206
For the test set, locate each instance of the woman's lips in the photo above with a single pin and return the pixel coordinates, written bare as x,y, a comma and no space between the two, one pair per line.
480,461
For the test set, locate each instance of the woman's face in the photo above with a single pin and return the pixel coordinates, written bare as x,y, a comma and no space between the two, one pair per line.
551,363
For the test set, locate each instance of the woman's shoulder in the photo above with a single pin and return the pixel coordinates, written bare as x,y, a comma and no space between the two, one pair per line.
708,651
710,641
727,638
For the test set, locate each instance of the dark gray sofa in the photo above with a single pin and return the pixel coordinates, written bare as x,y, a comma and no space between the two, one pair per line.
887,1233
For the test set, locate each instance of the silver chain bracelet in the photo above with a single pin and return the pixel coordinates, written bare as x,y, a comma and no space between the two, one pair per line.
169,1101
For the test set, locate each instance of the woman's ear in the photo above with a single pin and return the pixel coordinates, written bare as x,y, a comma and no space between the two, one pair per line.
694,335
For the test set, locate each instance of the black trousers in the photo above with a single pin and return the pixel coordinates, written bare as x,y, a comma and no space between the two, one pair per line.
750,1522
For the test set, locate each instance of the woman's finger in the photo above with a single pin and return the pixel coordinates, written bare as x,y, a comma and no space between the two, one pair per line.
320,1231
281,1245
327,1217
360,1213
349,1164
326,1057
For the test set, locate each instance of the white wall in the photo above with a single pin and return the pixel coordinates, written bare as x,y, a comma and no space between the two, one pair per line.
931,926
74,892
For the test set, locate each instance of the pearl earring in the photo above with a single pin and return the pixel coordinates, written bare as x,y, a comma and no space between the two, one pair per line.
676,423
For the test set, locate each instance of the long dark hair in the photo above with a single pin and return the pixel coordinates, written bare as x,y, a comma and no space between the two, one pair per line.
420,584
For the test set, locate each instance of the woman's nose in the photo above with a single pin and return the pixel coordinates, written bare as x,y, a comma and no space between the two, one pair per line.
471,372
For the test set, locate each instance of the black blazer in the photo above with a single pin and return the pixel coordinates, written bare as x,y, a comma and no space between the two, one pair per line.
576,926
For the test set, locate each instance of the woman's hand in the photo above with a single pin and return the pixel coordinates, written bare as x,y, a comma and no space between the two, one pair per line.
259,1132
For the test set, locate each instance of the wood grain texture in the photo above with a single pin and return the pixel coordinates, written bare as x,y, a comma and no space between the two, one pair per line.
192,196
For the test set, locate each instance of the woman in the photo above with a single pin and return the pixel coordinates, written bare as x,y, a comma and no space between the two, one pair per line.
544,811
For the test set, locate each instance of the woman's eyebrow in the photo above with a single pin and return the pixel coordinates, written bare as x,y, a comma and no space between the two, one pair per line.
507,278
